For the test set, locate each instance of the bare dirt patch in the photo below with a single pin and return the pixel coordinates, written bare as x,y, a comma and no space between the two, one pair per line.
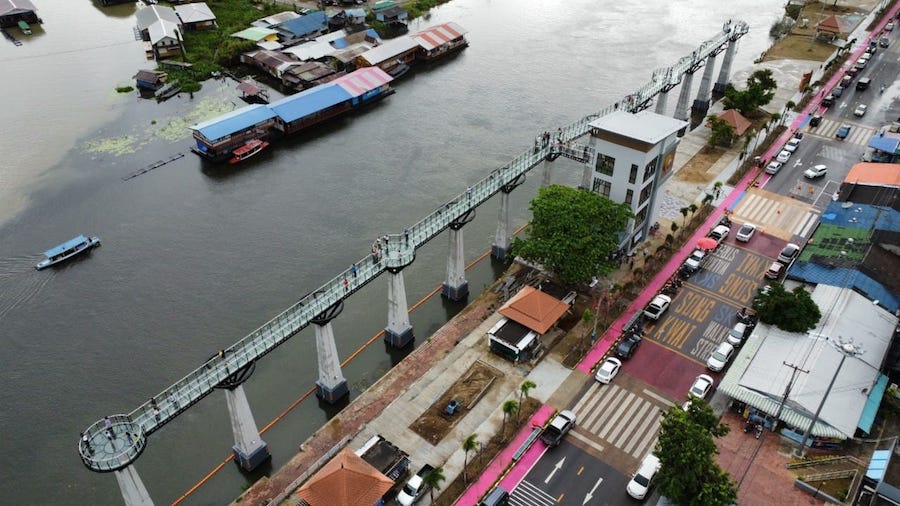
798,47
696,170
434,423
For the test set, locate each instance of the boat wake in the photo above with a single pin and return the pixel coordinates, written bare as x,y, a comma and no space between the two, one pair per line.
19,283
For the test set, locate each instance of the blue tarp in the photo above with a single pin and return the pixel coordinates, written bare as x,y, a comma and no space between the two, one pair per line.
888,144
304,25
234,121
309,102
872,404
878,464
71,243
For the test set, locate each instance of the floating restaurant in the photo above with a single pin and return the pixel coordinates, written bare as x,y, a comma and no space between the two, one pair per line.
216,139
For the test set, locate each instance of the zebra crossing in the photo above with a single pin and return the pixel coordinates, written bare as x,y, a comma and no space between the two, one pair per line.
624,419
527,494
859,134
777,215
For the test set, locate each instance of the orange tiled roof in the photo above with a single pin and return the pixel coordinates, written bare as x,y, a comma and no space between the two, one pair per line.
736,120
346,480
534,309
884,174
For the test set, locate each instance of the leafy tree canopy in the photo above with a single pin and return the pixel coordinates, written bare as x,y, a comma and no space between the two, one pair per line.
688,473
759,92
572,233
793,311
722,133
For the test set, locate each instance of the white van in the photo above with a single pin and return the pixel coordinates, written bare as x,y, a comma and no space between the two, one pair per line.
640,482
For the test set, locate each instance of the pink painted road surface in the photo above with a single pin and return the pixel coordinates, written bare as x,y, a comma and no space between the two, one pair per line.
498,466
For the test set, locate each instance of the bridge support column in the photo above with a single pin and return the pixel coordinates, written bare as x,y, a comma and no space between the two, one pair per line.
661,100
701,103
684,95
502,236
725,71
249,449
133,490
456,287
547,173
331,385
587,177
399,331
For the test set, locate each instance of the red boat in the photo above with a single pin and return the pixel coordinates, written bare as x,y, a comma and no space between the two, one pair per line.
247,150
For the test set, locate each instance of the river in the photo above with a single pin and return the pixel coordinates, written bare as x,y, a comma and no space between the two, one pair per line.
195,256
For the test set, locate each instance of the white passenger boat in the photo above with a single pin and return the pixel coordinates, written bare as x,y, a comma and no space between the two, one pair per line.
67,250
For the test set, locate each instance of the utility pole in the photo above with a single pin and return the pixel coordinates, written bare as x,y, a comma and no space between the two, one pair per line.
787,391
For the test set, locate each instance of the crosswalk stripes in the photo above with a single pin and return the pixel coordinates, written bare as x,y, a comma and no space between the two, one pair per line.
859,134
772,215
626,420
526,494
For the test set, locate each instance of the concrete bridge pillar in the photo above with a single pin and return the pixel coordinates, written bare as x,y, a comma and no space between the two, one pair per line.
547,173
701,104
399,331
681,108
456,287
725,71
133,490
249,448
331,385
661,100
502,236
587,177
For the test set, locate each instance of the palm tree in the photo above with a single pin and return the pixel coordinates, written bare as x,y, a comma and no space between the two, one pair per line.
674,227
523,391
707,199
509,407
433,480
684,213
470,444
774,118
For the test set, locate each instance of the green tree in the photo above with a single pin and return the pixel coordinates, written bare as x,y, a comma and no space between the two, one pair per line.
527,385
760,91
572,233
509,408
689,474
469,445
684,212
433,480
793,311
722,134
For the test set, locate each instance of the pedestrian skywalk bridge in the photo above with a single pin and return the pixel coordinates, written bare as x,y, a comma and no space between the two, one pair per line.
859,135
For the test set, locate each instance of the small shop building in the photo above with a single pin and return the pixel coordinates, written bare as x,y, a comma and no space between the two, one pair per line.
527,316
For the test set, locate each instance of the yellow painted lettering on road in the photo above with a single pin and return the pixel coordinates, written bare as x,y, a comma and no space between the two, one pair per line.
560,498
675,332
753,265
695,306
738,288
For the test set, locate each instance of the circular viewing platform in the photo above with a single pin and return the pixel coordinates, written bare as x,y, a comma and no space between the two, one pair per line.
111,444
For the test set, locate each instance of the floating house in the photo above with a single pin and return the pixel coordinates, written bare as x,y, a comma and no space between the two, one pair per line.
396,51
275,19
310,25
196,16
217,138
160,26
439,40
13,11
309,74
392,15
257,34
355,16
150,79
275,63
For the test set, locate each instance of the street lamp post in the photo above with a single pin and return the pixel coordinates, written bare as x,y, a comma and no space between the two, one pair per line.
847,350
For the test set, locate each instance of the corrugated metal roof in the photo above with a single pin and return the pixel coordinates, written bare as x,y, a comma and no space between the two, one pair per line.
888,144
645,126
841,276
363,80
534,309
149,15
304,25
390,49
311,50
882,174
8,7
163,29
308,102
234,121
439,35
275,19
254,33
195,12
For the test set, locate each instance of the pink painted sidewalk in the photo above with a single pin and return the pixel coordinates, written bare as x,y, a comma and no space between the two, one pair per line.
498,466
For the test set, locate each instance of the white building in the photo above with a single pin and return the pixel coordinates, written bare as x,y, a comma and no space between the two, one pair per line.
633,157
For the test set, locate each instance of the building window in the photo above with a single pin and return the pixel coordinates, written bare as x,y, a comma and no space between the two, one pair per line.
650,169
633,176
602,187
645,194
605,164
629,195
640,218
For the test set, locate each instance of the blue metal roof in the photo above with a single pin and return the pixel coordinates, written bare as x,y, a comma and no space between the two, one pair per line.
872,404
881,143
862,216
310,101
234,121
844,277
878,465
71,243
305,25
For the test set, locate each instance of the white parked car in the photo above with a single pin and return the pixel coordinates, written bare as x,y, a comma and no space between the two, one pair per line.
720,358
788,253
889,27
815,172
608,370
702,385
640,481
657,307
737,333
860,110
792,145
773,168
784,156
745,233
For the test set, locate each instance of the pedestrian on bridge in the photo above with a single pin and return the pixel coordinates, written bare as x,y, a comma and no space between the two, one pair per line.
354,269
406,236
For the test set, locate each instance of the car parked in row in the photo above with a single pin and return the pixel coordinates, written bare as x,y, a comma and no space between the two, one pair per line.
774,271
701,387
789,253
774,167
720,233
657,307
608,370
739,333
792,144
640,480
720,358
745,233
628,345
783,156
693,262
561,424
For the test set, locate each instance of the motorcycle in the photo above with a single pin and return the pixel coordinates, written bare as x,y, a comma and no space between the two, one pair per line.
759,430
748,425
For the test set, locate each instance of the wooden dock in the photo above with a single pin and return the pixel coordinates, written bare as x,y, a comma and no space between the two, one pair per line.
154,165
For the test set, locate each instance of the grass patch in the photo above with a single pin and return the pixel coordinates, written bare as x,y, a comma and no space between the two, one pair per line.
830,240
124,89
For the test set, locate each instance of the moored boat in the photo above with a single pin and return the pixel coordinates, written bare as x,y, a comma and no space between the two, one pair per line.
67,250
24,27
247,150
